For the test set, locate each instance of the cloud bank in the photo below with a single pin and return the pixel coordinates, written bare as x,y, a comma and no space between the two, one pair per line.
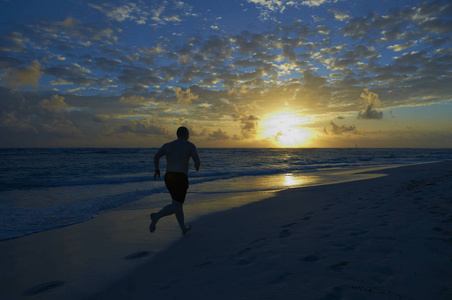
128,73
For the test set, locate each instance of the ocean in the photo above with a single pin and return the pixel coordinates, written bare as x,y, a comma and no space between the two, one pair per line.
42,189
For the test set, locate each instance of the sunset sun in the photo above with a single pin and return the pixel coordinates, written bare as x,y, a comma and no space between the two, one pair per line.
285,129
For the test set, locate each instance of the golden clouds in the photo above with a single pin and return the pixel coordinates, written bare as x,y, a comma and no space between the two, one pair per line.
54,103
372,101
184,97
132,99
24,76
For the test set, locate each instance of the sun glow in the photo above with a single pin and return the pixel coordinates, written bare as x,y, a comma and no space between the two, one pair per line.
285,129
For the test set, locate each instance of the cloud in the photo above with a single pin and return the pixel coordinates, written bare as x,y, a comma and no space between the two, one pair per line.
249,125
159,13
218,135
55,103
216,49
122,13
164,12
24,76
61,128
156,14
14,42
339,15
339,130
133,99
267,7
372,101
315,2
401,47
144,126
185,97
173,19
232,77
73,73
139,76
15,124
105,63
71,33
271,5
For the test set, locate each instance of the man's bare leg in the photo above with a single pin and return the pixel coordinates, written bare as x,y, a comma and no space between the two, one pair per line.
179,211
155,217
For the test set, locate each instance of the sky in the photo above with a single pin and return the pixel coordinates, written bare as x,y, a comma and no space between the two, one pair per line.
237,73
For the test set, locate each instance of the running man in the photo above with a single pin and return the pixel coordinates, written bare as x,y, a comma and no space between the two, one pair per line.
178,153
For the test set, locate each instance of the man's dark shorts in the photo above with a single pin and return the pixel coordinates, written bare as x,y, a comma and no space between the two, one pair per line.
177,185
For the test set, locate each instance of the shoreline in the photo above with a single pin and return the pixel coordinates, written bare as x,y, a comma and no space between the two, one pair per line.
115,245
198,192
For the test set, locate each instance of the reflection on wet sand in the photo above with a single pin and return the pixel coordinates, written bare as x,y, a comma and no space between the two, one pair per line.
276,182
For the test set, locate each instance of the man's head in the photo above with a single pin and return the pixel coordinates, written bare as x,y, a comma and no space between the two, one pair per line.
182,133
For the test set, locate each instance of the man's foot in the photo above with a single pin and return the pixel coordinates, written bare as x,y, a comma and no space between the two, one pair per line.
186,230
153,223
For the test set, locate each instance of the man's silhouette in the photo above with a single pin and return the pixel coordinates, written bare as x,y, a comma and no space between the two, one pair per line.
178,153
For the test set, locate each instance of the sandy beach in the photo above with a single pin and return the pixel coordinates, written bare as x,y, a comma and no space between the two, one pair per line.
383,238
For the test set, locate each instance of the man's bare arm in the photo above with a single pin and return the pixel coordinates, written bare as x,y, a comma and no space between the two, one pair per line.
196,159
157,156
197,165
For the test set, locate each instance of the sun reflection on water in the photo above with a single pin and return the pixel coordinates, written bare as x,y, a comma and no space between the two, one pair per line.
256,183
289,180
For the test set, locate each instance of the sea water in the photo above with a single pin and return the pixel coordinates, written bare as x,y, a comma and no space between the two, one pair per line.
41,189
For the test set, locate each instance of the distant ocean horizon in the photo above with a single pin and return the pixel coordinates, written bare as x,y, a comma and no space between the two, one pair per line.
46,188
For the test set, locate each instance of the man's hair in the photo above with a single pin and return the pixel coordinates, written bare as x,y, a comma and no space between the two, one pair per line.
182,132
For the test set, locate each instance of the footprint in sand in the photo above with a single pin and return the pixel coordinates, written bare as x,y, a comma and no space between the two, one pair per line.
449,220
288,225
244,262
308,216
44,287
285,233
137,255
357,233
244,250
327,207
310,258
204,264
256,241
339,266
437,229
280,278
